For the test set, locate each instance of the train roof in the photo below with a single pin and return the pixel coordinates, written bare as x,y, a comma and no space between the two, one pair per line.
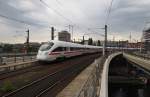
70,44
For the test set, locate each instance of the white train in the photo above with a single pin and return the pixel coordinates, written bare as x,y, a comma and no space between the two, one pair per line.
54,49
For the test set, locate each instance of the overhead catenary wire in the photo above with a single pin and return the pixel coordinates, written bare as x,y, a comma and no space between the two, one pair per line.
13,19
61,15
57,12
58,2
109,12
20,21
4,23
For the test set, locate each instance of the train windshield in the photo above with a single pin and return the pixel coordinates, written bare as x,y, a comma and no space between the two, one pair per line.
46,46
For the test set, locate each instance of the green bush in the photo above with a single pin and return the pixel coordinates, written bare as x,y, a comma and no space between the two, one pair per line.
7,86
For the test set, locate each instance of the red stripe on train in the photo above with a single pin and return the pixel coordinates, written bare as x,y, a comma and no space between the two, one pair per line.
70,52
67,52
54,53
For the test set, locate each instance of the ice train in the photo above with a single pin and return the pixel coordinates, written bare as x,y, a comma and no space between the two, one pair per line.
55,49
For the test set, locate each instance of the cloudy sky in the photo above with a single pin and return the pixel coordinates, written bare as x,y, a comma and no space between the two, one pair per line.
127,16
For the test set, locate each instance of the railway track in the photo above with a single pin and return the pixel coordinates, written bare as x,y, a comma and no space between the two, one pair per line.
37,66
38,87
8,74
44,84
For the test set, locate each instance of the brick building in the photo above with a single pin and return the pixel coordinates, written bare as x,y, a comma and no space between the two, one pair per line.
64,36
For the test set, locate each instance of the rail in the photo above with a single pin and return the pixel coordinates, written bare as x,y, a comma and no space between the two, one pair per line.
16,54
16,58
13,67
141,55
141,63
41,86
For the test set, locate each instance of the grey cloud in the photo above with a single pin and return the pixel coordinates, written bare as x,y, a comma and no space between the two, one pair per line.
7,10
126,16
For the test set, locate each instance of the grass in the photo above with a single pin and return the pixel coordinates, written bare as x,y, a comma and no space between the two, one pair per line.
7,87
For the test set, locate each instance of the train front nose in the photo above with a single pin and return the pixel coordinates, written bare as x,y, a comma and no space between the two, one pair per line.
42,55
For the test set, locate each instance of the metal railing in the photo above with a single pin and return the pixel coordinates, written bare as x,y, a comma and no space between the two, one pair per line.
16,58
92,85
141,55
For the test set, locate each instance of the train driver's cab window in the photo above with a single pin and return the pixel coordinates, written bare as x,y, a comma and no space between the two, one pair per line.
46,46
59,49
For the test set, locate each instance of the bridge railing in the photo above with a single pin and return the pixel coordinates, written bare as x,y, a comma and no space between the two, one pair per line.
141,55
92,85
16,57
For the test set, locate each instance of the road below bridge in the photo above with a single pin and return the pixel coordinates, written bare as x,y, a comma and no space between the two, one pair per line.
126,79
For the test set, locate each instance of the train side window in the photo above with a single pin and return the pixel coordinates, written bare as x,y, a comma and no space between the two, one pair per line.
72,48
58,49
77,48
67,49
64,48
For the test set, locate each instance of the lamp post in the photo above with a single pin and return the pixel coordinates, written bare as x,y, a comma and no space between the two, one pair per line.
105,43
52,33
27,41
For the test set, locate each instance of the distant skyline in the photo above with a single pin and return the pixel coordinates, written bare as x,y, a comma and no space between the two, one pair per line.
127,16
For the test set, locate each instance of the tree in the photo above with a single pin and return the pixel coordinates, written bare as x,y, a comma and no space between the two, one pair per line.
98,43
7,48
94,43
90,41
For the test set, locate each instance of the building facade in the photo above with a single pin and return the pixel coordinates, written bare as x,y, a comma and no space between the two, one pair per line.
146,39
64,36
